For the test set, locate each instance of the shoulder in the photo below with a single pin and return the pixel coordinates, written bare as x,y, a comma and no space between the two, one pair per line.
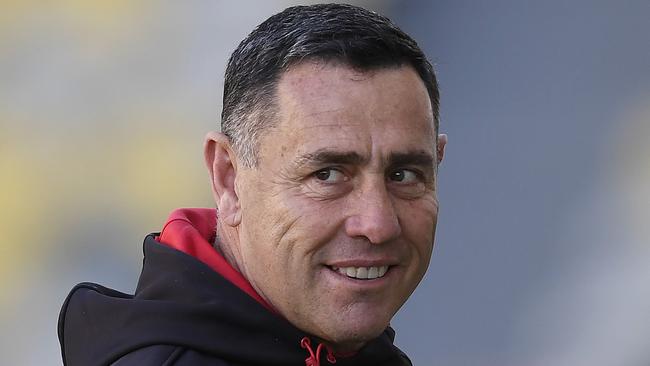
167,355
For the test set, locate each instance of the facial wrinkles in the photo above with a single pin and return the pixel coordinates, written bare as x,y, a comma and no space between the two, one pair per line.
280,239
304,233
374,170
373,175
284,178
287,185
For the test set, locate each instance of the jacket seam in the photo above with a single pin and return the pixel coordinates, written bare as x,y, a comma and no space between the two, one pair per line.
174,356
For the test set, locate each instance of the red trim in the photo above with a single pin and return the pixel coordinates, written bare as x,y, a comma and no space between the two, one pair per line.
192,230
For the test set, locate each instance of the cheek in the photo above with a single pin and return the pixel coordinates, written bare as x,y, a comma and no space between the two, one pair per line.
283,232
264,223
418,220
266,216
307,232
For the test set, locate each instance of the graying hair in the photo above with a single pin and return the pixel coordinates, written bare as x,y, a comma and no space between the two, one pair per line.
338,33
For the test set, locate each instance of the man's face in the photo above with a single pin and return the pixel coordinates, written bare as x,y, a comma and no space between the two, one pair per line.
339,217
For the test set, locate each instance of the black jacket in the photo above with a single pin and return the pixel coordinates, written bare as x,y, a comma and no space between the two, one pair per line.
184,313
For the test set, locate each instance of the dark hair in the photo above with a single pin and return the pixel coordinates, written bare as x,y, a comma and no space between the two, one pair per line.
341,33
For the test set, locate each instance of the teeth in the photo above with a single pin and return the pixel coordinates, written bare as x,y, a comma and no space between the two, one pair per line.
373,272
382,270
362,273
350,271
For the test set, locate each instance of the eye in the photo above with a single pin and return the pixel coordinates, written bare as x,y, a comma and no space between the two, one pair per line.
405,176
330,175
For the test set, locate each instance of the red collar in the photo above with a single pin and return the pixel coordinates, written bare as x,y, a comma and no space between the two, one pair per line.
191,231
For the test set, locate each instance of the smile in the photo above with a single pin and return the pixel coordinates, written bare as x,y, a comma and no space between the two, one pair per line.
362,273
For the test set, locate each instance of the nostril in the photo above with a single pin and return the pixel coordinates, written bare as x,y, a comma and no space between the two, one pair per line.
380,229
375,228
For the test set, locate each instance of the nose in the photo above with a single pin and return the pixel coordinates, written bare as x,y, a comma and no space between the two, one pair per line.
373,216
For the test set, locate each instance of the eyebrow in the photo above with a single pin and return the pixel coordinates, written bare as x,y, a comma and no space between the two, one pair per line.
419,158
326,156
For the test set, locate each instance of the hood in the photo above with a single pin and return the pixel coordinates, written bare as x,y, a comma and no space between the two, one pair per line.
182,300
192,231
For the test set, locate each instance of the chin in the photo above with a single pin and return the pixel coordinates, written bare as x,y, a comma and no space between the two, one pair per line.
352,335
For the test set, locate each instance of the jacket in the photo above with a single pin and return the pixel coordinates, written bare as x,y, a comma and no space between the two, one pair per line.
184,312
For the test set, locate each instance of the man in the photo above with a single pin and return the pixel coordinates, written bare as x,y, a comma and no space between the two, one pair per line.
324,177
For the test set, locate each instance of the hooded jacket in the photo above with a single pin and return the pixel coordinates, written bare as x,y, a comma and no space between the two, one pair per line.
191,307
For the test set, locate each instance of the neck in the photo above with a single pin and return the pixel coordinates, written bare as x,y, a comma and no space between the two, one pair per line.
222,244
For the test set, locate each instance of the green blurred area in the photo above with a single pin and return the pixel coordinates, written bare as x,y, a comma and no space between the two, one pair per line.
95,125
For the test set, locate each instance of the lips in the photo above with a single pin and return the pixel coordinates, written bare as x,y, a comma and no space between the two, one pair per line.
362,273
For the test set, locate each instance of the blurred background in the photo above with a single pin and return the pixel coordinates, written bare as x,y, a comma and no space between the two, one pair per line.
543,248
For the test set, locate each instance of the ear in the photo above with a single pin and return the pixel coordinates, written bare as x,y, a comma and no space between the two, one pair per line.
222,166
440,149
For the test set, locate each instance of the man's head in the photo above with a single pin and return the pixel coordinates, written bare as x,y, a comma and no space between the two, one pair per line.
325,176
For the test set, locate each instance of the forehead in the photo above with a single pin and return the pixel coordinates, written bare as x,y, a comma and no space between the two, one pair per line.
332,106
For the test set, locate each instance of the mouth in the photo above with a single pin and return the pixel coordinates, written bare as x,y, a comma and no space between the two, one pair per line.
361,273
